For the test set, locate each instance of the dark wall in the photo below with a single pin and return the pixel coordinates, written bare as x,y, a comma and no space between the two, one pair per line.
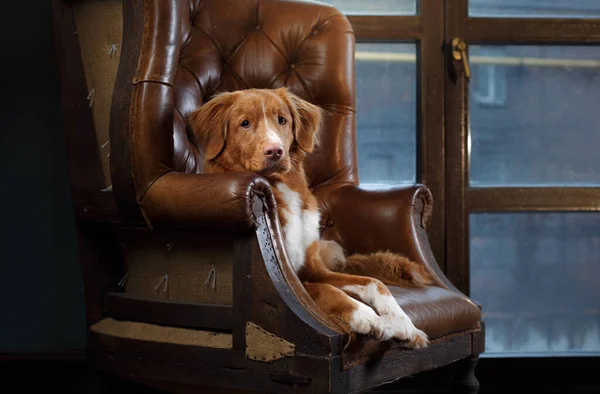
41,298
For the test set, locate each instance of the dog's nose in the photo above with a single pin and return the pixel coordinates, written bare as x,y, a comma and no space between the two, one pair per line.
273,151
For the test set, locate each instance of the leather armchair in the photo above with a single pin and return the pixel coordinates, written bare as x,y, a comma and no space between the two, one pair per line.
187,283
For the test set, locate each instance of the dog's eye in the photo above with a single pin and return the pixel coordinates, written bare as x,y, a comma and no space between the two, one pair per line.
282,120
245,123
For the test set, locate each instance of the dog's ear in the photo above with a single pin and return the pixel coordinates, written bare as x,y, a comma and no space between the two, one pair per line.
307,120
209,125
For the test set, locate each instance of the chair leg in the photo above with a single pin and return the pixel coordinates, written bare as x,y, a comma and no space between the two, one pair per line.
464,380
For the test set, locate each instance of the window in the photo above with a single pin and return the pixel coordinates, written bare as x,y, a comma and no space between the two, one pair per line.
522,219
547,129
379,7
489,87
535,8
536,275
386,81
510,154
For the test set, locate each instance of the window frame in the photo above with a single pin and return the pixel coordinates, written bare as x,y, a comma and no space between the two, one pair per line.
443,162
464,199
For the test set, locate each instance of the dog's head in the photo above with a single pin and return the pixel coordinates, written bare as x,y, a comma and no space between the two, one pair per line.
258,130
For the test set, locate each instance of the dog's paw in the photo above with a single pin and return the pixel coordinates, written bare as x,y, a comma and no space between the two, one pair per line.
418,341
405,331
383,330
365,321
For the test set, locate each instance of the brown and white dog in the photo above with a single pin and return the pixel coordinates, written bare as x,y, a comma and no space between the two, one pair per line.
270,132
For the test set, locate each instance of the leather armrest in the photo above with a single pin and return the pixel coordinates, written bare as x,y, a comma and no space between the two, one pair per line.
366,221
221,201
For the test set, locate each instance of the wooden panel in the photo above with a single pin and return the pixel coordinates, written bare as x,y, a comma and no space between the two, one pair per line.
244,253
386,28
171,365
530,30
456,166
533,199
120,144
169,313
398,363
430,118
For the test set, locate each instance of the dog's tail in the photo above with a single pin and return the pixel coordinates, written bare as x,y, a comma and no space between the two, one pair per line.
390,268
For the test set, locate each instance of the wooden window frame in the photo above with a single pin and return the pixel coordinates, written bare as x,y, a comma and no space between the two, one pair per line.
443,163
461,199
510,371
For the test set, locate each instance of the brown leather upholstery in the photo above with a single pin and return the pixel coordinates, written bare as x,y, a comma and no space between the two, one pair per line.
386,216
190,50
438,311
390,220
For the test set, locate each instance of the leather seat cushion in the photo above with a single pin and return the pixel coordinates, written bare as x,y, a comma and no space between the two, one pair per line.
438,311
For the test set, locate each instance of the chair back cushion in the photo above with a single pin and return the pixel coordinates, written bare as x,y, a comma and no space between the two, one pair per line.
186,51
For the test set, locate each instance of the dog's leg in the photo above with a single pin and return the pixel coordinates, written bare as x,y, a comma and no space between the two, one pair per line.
352,315
368,290
390,268
375,294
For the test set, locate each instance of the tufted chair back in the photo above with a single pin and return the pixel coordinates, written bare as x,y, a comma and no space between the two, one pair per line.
178,53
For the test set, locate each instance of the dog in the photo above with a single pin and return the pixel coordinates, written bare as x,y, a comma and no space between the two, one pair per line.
271,132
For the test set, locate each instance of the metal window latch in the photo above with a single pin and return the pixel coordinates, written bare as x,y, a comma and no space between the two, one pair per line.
459,52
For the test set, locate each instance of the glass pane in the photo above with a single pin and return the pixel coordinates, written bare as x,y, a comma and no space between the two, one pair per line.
378,7
386,119
536,276
535,8
534,115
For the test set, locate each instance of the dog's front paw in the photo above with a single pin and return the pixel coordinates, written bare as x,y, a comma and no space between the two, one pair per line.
405,331
365,321
418,341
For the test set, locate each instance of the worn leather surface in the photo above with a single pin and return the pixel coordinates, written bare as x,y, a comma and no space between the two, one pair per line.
438,311
214,200
365,221
349,213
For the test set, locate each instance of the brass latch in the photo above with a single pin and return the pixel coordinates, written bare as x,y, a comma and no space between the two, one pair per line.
459,52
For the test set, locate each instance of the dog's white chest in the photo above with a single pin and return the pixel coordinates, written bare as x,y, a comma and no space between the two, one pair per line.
301,226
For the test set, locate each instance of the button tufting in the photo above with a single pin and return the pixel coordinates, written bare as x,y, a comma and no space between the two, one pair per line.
258,27
292,65
330,223
314,33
